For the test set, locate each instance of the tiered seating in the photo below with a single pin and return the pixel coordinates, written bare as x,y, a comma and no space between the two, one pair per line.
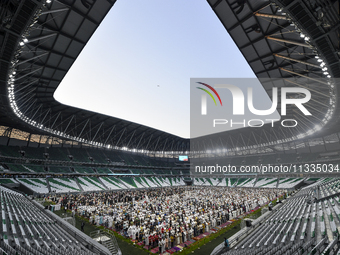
287,158
141,160
144,182
98,155
223,182
214,181
136,171
309,157
113,156
269,159
266,182
63,185
112,183
287,183
150,182
248,183
36,153
26,229
148,171
177,181
237,161
297,227
232,182
160,181
199,181
251,160
167,181
3,169
38,185
207,182
138,181
79,155
17,168
59,169
160,172
34,168
10,151
185,172
7,180
127,158
84,170
156,181
241,181
128,182
60,154
103,170
90,184
312,179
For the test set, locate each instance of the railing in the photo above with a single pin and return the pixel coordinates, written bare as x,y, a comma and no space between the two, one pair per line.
107,233
76,233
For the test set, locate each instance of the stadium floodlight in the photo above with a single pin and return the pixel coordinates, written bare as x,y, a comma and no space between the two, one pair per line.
325,73
302,135
21,43
309,132
328,76
317,127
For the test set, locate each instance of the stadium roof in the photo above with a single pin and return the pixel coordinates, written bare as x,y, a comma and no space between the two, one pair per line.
289,39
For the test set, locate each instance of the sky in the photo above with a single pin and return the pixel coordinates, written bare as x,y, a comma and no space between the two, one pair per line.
138,64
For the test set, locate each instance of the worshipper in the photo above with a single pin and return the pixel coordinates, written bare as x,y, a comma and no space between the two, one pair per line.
171,215
160,247
226,243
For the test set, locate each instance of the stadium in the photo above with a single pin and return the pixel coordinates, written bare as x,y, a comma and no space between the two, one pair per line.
75,181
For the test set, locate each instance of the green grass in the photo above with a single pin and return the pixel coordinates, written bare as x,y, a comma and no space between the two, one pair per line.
47,203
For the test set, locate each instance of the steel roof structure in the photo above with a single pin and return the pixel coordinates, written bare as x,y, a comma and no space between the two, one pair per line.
295,41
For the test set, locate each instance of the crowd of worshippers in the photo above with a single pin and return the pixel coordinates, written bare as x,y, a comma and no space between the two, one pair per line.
166,217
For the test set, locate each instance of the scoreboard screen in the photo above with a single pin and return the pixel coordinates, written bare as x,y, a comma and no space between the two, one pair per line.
183,158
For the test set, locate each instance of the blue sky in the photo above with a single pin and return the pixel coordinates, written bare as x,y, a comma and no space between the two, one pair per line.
138,64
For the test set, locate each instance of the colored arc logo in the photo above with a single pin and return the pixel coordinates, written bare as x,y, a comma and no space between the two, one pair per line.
213,90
